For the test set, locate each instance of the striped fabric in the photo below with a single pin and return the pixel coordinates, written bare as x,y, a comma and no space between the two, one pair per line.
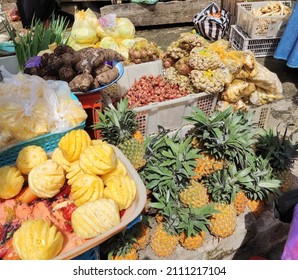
212,28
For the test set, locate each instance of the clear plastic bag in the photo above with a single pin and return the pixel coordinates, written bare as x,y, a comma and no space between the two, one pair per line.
31,107
84,27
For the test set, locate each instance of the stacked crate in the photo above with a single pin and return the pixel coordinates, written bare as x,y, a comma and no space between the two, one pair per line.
259,34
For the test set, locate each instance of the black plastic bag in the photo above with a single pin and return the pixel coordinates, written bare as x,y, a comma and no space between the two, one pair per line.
284,206
211,27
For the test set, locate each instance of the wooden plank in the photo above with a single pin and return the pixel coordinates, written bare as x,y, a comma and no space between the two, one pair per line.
161,13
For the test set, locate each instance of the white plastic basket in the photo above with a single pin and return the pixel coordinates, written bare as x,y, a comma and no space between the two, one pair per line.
260,47
260,26
169,114
261,115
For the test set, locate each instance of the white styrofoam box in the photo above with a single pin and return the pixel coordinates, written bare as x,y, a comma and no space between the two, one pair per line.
134,72
10,63
170,114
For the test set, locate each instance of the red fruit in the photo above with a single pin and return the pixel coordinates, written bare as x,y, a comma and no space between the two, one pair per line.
67,211
2,233
65,191
122,212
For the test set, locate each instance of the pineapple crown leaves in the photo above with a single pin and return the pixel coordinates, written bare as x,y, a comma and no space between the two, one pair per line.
225,135
171,163
119,245
117,124
280,150
194,220
223,185
169,210
263,183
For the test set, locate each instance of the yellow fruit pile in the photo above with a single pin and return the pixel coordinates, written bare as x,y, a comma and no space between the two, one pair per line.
99,186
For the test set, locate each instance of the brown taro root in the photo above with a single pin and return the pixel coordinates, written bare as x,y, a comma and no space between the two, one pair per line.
99,56
102,68
66,73
49,77
81,82
67,59
84,66
62,49
54,63
44,59
107,77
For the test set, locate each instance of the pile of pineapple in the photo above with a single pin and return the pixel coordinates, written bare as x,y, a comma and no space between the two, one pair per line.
198,184
100,187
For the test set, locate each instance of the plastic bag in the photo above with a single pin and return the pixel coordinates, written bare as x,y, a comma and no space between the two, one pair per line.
121,46
212,22
31,107
123,29
290,251
268,81
84,27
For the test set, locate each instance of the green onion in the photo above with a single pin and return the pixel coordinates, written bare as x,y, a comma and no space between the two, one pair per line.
37,39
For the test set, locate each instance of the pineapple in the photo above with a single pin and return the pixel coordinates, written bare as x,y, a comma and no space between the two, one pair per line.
223,224
142,235
195,195
163,240
225,136
193,225
118,126
170,165
240,202
281,152
120,247
223,187
206,165
263,184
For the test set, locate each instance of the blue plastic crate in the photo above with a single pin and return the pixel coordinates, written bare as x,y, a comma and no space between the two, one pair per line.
49,142
92,254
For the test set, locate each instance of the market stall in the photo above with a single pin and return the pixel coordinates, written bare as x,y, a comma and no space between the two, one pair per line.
169,129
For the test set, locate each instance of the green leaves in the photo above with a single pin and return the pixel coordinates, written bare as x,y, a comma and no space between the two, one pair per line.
38,38
117,124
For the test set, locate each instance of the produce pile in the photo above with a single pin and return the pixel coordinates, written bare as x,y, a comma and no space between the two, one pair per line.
199,66
111,32
52,204
151,89
31,107
86,69
199,183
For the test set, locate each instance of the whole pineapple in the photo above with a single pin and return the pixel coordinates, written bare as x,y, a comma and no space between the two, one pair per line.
281,152
223,187
193,225
118,126
141,232
263,184
120,247
164,238
225,136
195,195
